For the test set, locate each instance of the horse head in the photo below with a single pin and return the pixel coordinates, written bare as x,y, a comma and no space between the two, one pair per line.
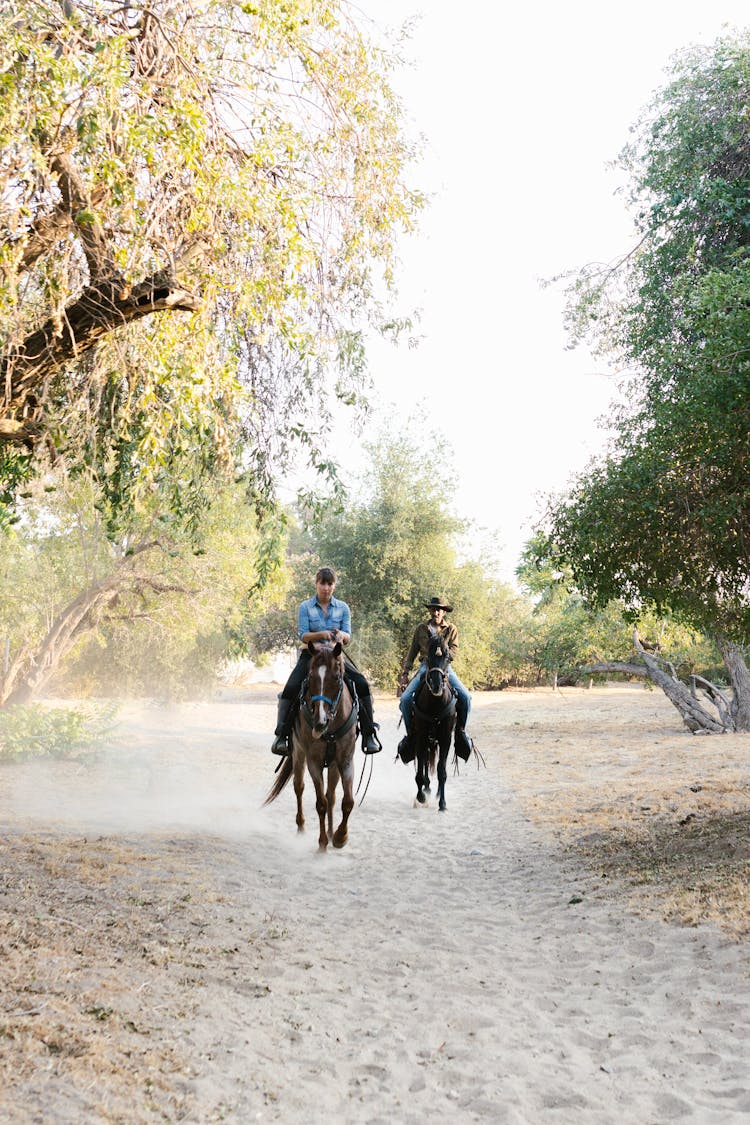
324,685
438,659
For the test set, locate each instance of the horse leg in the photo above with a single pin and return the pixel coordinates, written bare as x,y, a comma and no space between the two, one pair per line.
333,777
422,776
299,783
321,804
442,770
347,804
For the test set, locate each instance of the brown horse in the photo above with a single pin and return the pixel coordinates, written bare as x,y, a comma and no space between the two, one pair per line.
323,738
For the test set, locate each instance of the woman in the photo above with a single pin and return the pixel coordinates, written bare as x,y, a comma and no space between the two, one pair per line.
323,618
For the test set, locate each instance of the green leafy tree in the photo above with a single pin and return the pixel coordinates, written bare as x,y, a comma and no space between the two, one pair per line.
396,542
571,637
198,202
663,520
156,618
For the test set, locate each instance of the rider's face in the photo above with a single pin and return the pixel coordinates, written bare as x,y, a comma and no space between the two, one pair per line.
324,590
437,616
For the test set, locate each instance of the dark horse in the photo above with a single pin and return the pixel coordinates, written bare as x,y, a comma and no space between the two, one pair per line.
323,738
434,720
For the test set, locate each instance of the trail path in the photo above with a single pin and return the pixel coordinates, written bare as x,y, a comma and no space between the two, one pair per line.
447,966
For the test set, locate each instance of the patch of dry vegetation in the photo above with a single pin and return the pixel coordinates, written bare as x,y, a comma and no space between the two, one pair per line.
611,773
694,868
104,950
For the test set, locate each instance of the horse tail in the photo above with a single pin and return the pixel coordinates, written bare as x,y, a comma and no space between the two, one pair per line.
286,771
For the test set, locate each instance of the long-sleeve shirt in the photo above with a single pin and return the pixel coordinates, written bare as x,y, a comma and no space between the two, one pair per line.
420,645
312,618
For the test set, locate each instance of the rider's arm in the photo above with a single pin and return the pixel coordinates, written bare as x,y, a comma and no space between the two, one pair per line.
411,655
344,631
452,639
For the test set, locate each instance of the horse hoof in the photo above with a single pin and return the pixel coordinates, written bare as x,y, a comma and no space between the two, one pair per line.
340,841
443,807
421,798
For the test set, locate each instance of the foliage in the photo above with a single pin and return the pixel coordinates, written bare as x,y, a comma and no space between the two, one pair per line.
52,732
394,543
663,520
569,633
200,202
166,628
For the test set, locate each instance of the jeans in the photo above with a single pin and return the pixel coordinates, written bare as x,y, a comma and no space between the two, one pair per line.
463,701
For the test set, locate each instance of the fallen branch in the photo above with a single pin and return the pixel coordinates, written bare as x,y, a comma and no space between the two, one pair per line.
649,666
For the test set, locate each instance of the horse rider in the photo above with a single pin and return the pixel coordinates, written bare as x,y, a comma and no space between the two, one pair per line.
323,618
407,688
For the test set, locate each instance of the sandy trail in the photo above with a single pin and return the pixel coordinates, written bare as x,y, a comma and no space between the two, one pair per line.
198,961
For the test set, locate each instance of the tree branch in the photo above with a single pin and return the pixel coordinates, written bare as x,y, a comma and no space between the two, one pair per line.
101,308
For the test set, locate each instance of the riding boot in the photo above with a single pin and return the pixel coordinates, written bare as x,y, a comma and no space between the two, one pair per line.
371,744
282,744
462,742
406,748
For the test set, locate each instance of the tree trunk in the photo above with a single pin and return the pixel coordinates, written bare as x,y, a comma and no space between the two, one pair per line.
31,670
694,715
739,678
99,310
34,666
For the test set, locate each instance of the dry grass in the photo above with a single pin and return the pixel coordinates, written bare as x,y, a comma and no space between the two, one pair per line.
104,950
613,776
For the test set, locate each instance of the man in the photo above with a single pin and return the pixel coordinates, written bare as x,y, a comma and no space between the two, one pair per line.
323,618
407,688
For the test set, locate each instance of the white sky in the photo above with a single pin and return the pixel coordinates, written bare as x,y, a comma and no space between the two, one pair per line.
522,108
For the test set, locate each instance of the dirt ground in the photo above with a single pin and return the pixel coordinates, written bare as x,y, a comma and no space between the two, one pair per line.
170,950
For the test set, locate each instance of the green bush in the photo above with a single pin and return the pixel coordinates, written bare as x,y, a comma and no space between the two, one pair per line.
38,731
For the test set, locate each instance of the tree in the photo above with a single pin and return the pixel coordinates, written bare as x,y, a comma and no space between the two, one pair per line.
194,199
395,542
663,520
391,543
155,611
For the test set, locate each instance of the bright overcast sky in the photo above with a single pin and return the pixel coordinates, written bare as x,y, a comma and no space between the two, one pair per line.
522,107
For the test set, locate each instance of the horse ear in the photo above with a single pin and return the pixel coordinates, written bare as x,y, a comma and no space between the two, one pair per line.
337,649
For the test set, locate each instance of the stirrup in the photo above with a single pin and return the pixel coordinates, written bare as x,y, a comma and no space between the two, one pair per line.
372,737
281,745
406,749
463,744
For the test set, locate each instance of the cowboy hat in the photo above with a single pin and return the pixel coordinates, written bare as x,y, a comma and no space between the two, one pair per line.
438,603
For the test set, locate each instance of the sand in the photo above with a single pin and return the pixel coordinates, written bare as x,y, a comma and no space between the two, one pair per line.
555,947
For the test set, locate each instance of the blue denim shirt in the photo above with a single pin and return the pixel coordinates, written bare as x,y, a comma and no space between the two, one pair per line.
312,619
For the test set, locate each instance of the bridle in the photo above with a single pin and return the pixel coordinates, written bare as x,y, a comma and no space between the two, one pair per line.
332,704
330,710
436,678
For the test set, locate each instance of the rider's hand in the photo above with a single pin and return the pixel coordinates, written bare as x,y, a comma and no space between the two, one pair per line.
401,686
